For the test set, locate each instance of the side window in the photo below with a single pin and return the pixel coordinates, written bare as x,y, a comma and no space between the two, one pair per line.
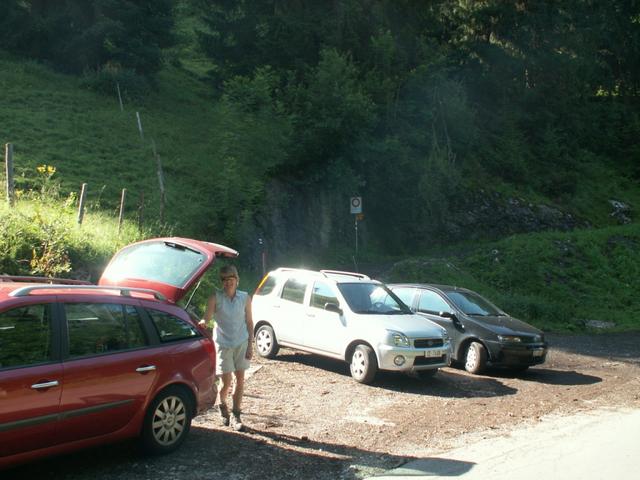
25,336
321,295
294,289
406,295
431,302
267,285
96,328
170,328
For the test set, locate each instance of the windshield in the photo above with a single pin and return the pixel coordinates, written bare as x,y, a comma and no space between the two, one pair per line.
163,262
473,304
372,299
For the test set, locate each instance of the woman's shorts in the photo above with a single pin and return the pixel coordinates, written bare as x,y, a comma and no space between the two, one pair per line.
232,359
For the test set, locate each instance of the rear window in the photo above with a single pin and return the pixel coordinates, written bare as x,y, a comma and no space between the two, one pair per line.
163,262
170,328
267,285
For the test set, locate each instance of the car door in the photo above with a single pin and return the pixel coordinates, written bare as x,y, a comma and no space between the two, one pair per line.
109,369
324,330
431,305
31,378
290,310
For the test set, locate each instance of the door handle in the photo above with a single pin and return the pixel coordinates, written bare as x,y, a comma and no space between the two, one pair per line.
147,368
39,386
312,315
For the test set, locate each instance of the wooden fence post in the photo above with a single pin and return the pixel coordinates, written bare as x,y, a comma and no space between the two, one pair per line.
83,197
141,210
160,180
122,199
8,160
140,125
119,96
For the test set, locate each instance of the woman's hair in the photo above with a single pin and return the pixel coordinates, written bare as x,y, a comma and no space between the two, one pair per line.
229,270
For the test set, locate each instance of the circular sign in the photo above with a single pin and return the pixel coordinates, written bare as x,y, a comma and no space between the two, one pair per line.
356,202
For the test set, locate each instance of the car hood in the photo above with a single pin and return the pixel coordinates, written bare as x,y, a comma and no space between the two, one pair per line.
413,325
506,325
169,265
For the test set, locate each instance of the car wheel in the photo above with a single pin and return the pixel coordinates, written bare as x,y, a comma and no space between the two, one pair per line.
167,422
364,365
476,358
266,343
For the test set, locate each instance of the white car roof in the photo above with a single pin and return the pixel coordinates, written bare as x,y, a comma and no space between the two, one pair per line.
338,276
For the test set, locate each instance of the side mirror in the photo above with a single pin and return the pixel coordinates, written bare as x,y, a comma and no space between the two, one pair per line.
333,307
453,317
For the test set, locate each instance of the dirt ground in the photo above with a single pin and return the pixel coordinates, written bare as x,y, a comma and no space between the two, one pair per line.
307,419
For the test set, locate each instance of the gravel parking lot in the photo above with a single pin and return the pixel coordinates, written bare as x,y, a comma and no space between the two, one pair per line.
307,419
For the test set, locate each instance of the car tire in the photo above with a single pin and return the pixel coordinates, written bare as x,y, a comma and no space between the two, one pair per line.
266,343
364,364
167,422
476,358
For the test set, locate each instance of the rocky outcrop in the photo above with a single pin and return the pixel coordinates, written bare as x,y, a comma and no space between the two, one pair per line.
492,215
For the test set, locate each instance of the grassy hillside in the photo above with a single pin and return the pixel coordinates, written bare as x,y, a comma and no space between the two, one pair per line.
52,119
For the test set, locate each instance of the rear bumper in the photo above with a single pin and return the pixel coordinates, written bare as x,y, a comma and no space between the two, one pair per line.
207,395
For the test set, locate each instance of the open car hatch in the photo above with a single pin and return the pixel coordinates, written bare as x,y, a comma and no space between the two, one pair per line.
169,265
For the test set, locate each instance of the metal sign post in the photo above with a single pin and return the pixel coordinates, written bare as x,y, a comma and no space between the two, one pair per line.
356,209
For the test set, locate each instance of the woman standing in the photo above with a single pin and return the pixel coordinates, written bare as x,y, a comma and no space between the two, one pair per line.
231,309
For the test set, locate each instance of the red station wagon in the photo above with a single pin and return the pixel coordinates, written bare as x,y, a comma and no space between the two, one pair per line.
82,365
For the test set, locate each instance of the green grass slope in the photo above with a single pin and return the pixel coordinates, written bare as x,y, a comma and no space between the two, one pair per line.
52,119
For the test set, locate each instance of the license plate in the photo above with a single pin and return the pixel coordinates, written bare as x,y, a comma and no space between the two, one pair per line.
538,353
433,353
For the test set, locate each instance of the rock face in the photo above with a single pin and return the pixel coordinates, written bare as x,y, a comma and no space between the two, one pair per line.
298,225
491,215
621,211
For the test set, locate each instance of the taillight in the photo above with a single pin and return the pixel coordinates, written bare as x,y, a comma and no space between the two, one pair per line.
210,347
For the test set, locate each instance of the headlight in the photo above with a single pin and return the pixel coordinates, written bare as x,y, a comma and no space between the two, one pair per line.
445,338
398,339
509,339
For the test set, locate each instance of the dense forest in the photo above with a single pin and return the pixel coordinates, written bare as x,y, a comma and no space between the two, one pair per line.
454,120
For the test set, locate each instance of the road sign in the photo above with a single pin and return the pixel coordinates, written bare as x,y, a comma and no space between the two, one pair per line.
356,205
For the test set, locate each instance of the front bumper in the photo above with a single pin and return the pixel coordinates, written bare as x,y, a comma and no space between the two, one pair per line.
413,359
517,355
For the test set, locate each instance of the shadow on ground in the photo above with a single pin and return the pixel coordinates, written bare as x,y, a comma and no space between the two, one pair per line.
611,346
550,376
446,383
215,454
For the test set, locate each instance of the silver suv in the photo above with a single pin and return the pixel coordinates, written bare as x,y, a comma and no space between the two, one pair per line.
347,316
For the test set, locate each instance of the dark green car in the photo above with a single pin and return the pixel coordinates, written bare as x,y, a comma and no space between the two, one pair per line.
481,334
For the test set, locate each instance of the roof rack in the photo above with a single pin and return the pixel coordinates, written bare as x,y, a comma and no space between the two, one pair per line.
350,274
28,278
124,291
